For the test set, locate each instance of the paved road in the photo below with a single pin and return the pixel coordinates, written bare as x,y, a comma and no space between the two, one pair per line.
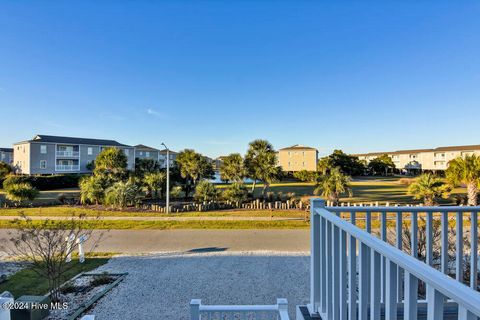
149,241
140,218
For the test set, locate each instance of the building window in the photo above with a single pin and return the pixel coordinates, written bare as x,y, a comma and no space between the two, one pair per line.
127,152
141,153
89,151
43,164
303,164
147,154
43,149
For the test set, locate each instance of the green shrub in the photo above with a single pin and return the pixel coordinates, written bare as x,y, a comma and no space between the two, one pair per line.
92,190
306,176
176,192
236,192
20,192
205,191
46,182
121,194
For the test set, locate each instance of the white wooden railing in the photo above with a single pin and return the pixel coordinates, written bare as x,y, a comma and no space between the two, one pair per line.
67,167
70,154
355,273
278,311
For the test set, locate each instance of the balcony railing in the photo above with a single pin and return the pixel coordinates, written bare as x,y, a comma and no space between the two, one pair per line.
278,311
70,167
69,154
354,272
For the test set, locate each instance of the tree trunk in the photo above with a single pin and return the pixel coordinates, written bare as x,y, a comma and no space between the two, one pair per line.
472,193
253,185
428,201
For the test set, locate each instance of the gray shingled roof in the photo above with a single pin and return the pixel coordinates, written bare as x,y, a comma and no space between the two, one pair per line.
144,147
298,147
72,140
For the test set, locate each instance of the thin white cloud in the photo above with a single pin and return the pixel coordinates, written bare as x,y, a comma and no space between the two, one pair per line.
156,113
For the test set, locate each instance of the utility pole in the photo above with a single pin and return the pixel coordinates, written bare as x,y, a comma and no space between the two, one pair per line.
167,209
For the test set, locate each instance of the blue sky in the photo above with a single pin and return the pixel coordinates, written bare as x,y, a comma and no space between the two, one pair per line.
214,75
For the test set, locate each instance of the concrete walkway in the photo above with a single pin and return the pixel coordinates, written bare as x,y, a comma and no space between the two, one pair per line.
184,240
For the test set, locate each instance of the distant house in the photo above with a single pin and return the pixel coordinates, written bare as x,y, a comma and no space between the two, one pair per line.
298,158
163,158
217,163
145,152
423,159
55,154
6,155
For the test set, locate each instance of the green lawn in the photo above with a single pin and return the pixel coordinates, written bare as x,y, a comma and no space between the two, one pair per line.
365,189
27,282
61,211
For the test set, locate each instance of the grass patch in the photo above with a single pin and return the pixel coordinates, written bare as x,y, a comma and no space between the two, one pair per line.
27,282
63,211
169,225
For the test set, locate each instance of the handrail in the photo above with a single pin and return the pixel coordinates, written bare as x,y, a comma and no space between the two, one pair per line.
280,309
460,293
404,209
244,308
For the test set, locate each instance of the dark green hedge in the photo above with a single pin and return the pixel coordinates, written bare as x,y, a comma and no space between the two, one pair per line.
47,182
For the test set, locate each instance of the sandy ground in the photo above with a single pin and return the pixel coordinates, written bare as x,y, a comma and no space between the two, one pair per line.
161,286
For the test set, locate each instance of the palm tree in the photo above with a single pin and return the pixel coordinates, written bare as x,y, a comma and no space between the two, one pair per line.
154,183
324,165
429,187
92,189
260,157
333,184
465,170
269,172
205,191
193,167
232,168
121,194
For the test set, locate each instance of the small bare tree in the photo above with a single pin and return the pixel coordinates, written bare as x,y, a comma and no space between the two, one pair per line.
436,244
47,245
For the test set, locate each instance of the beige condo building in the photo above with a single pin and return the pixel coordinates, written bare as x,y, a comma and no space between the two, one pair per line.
298,158
424,159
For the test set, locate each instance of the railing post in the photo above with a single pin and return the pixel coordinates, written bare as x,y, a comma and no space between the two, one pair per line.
4,310
459,247
282,305
315,254
474,250
434,304
352,273
195,309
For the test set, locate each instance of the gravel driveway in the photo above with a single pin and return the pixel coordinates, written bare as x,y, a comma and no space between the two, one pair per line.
161,286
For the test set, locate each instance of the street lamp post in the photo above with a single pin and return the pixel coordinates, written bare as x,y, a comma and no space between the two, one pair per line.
167,209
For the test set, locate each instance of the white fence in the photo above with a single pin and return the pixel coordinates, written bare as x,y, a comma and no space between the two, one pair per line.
278,311
355,273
